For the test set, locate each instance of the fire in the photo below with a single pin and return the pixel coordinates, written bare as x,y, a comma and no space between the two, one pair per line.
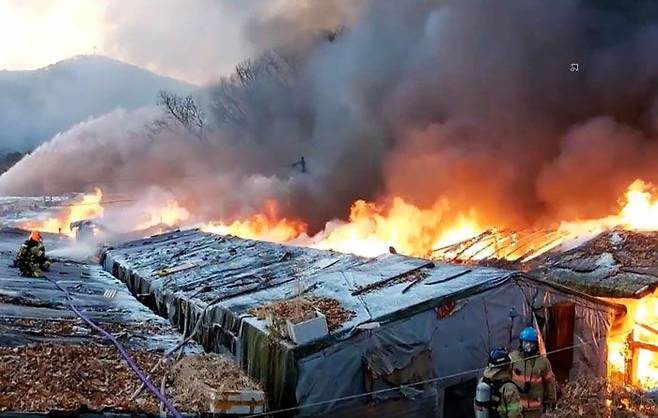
88,207
264,226
645,331
171,214
638,211
641,209
633,351
374,228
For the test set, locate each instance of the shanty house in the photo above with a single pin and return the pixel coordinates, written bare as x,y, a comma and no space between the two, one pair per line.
406,337
620,266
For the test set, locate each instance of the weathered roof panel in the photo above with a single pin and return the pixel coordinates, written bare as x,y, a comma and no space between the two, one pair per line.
34,310
618,264
239,274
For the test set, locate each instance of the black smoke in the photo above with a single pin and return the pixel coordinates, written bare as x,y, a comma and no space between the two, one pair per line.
471,102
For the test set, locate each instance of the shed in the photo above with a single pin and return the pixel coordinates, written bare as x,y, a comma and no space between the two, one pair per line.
413,345
622,267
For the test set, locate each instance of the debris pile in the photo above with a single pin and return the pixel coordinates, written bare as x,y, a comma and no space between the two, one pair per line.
195,378
298,309
77,327
68,377
599,398
55,377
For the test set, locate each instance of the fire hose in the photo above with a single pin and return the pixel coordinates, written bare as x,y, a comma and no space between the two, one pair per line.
131,362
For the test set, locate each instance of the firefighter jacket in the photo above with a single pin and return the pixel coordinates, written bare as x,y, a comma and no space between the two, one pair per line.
505,392
31,258
534,376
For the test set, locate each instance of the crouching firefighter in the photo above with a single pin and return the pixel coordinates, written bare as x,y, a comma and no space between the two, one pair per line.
532,372
497,396
31,258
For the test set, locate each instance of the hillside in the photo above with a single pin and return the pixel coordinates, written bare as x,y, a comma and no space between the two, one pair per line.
36,104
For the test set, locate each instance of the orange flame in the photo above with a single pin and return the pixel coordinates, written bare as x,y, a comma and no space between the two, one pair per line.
638,211
171,214
645,330
89,207
638,350
265,226
373,228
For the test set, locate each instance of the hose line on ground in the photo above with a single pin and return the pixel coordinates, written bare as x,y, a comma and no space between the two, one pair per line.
131,362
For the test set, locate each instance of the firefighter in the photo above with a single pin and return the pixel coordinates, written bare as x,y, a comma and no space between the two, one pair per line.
497,396
31,258
533,374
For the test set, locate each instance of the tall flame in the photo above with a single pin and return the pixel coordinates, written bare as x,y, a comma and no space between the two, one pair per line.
171,214
641,209
638,211
634,356
265,225
374,228
645,330
88,207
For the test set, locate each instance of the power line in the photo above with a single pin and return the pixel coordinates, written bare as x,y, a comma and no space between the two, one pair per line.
435,379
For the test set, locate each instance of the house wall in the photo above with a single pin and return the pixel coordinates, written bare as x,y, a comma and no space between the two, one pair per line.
458,345
593,323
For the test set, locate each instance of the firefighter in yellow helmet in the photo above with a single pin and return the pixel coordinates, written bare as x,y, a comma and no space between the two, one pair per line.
497,396
31,258
532,372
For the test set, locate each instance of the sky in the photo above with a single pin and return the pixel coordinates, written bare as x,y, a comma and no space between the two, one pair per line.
196,41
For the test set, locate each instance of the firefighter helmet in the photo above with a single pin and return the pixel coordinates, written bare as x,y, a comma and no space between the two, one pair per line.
529,334
498,357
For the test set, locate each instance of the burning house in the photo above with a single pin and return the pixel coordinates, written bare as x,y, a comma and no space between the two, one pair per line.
444,130
622,267
334,333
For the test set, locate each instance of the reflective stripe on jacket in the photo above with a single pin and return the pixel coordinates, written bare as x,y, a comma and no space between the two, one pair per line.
510,402
534,376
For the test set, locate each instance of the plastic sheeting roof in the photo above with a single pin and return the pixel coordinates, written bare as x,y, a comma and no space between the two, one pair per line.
239,274
34,310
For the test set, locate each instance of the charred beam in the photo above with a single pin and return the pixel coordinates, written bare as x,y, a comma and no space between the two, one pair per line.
639,345
378,283
647,328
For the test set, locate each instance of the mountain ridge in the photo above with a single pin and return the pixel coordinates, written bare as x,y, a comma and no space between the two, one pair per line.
37,104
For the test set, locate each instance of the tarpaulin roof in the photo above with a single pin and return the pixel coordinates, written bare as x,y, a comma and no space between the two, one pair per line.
34,310
237,274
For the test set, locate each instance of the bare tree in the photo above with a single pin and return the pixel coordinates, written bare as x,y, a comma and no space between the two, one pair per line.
243,98
184,111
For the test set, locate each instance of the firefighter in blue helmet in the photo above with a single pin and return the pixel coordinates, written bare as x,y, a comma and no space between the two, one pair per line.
497,396
532,372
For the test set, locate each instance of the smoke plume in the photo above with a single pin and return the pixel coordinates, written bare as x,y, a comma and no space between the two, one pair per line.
471,103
